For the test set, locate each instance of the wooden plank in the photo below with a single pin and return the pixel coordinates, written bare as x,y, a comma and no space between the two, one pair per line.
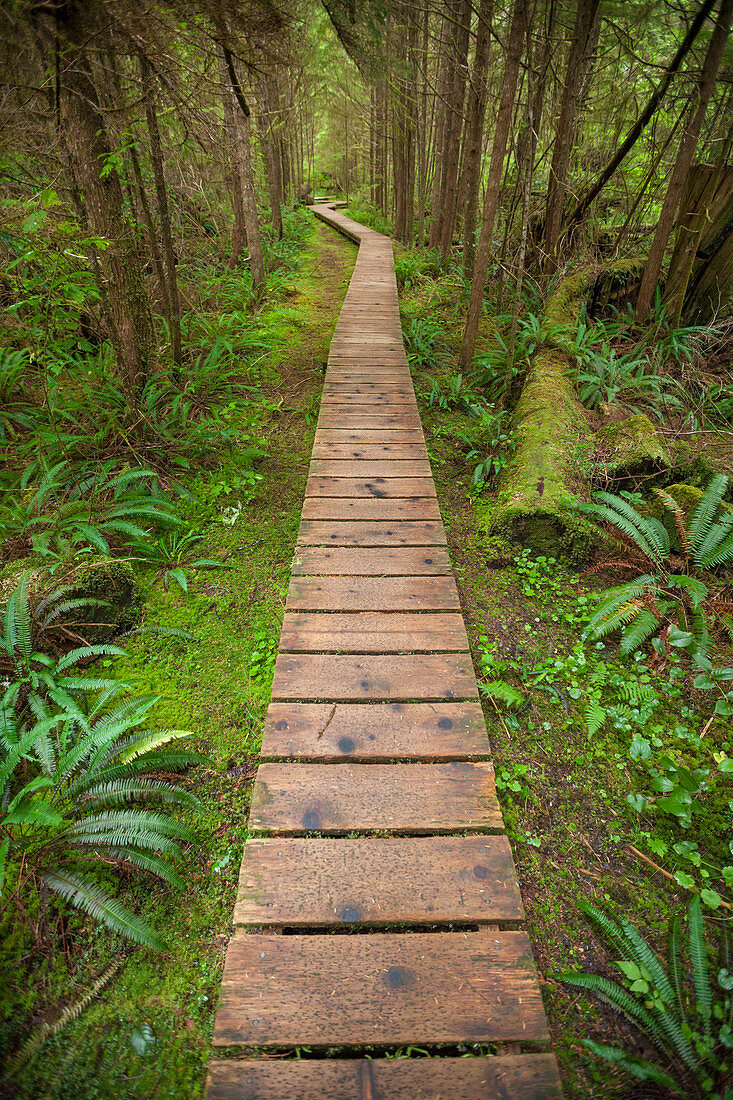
375,731
346,678
348,508
365,469
369,435
376,487
401,561
332,416
368,452
513,1077
373,632
326,593
304,881
404,533
382,988
294,798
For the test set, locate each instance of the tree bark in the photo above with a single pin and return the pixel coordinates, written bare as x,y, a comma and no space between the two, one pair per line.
644,118
273,167
156,153
449,193
233,91
704,227
133,334
578,60
685,157
476,111
496,169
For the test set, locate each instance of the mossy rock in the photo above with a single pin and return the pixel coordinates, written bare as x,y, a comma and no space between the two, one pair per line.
632,446
105,579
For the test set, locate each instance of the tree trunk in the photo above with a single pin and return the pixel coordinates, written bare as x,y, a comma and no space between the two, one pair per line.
233,92
441,122
644,118
133,334
685,157
453,143
577,66
273,167
698,270
476,110
496,168
163,210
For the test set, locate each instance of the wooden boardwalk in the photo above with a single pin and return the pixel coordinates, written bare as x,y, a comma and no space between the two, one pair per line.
378,905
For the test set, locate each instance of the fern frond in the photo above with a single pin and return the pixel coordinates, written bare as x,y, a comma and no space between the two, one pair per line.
706,511
637,1067
624,1002
639,631
675,964
699,964
117,793
595,716
84,894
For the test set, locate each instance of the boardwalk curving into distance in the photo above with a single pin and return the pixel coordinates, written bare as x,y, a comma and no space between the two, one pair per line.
378,905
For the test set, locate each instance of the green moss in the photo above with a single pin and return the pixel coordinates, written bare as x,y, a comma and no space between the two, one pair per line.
632,446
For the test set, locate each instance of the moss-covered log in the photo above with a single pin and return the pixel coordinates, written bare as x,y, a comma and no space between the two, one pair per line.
553,438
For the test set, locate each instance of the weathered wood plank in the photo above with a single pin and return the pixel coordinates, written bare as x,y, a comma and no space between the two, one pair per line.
294,798
372,632
514,1077
301,881
401,533
402,561
367,469
369,435
381,988
347,678
336,593
369,452
375,731
375,487
337,416
354,508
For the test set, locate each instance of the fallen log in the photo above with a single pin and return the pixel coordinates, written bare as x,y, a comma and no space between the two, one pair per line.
553,438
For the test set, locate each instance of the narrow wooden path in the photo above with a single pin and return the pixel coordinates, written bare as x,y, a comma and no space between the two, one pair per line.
378,905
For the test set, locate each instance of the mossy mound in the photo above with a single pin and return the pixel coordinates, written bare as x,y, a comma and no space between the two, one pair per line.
114,582
631,447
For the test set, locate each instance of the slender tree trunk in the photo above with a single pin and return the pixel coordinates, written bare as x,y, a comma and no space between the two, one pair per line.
685,157
272,161
156,153
133,334
641,123
496,169
474,132
441,123
453,145
578,58
233,91
707,205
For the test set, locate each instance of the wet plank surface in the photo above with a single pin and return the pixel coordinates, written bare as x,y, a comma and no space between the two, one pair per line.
516,1077
376,487
303,881
376,793
375,731
346,678
354,508
372,632
369,593
292,798
382,988
377,562
377,533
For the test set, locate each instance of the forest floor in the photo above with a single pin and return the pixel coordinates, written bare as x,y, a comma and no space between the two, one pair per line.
564,793
148,1032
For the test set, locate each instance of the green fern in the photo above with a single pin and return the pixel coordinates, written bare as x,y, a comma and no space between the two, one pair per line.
504,692
595,716
694,1057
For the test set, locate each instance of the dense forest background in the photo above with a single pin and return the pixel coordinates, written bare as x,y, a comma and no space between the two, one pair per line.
558,178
